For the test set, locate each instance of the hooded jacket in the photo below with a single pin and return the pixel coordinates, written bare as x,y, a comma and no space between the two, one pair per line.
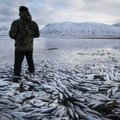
23,31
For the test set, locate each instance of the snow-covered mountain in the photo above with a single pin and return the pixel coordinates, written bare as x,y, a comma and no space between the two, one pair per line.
81,30
4,30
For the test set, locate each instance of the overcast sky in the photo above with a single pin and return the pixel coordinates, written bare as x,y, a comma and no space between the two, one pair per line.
52,11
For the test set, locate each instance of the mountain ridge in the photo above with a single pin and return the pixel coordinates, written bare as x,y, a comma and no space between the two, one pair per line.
81,30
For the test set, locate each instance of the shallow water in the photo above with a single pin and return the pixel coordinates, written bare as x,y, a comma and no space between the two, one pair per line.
52,48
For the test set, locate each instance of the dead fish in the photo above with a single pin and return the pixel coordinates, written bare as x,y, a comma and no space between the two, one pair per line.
92,111
76,116
116,95
8,107
19,115
4,83
70,113
5,102
93,102
111,104
115,89
5,116
81,105
48,110
60,97
46,87
84,89
80,112
98,104
60,111
106,86
27,98
23,108
34,116
100,96
109,92
92,117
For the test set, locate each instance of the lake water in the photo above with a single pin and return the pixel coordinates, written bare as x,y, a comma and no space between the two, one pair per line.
52,48
78,44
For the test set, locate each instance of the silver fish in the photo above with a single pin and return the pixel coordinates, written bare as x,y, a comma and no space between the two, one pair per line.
48,110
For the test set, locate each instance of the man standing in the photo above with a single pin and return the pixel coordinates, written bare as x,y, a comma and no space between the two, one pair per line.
23,30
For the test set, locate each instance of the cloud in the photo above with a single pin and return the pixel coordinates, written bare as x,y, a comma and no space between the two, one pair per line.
102,7
50,11
102,11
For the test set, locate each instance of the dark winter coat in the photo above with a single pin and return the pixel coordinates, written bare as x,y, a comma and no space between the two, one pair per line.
23,31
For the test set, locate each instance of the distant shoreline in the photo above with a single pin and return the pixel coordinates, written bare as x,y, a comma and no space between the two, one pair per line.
81,37
77,37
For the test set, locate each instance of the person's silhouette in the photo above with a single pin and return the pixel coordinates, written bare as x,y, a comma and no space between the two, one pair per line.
23,30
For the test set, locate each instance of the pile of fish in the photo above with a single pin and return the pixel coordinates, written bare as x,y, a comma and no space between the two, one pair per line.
60,90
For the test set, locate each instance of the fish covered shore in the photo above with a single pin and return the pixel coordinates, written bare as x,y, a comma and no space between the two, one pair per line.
64,90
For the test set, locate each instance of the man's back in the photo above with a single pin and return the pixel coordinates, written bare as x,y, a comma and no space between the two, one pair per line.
23,31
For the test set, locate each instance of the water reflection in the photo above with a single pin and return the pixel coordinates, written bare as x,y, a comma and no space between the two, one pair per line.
76,44
64,44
